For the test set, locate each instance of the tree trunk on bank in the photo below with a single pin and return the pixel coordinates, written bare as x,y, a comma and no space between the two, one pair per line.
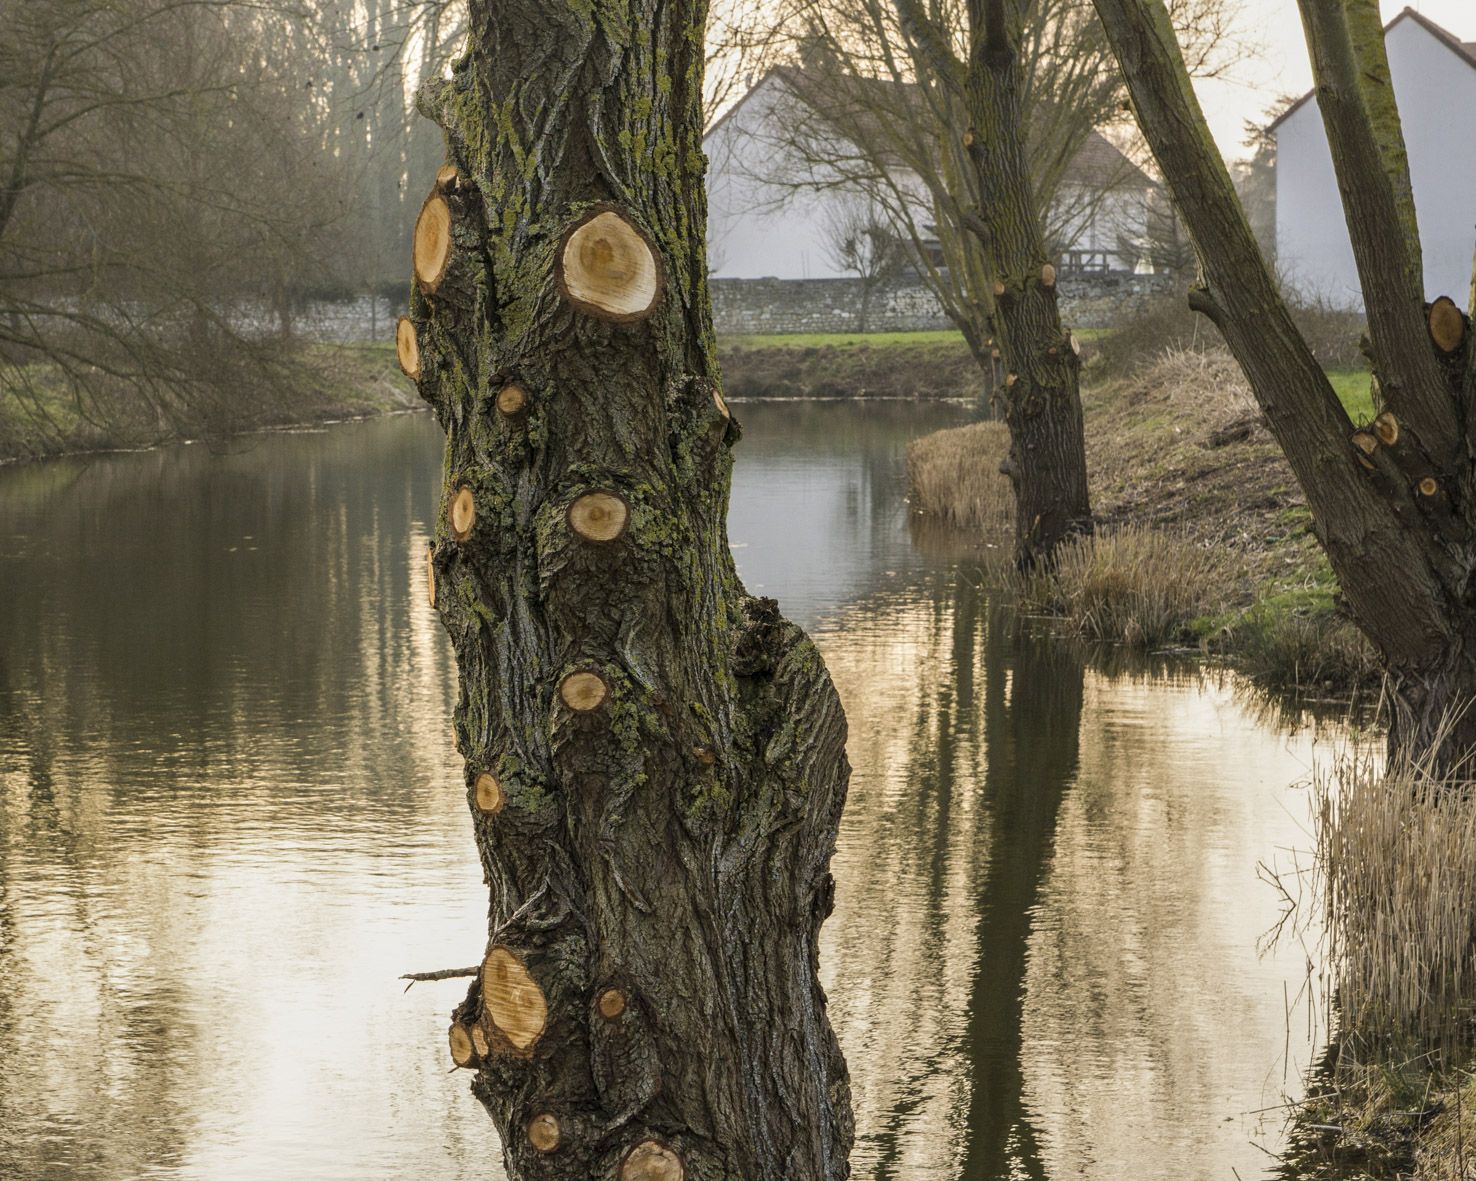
1393,503
654,759
1040,396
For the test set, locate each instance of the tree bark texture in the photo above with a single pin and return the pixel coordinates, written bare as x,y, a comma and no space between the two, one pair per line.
1040,396
1393,504
654,759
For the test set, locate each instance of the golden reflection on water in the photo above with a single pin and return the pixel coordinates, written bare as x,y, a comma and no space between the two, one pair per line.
1043,961
230,817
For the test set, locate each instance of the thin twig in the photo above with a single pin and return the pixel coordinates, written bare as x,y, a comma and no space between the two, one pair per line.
443,974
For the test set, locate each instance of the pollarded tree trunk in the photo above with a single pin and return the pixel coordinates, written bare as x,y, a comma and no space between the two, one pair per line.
1393,502
1040,395
654,759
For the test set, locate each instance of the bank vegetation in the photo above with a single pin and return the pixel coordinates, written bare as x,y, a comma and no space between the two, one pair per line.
1204,540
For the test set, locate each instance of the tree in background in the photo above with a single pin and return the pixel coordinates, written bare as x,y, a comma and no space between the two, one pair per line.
162,195
1393,502
964,121
654,758
860,238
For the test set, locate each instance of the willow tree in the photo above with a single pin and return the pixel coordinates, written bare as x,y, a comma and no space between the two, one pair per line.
1393,502
654,759
923,110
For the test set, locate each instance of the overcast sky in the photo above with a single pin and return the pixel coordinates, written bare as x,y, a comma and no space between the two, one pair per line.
1283,68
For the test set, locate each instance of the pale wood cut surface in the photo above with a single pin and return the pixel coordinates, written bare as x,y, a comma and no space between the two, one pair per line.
608,268
511,1000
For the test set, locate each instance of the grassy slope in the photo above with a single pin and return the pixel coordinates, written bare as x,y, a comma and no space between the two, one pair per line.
1180,450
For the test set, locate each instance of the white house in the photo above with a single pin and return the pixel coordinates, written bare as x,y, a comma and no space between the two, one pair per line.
1434,76
760,227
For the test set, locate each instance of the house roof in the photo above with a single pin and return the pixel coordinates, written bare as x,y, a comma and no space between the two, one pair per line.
1465,50
1097,161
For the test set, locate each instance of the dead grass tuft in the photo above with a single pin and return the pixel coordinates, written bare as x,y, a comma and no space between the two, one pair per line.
1134,585
1397,872
955,476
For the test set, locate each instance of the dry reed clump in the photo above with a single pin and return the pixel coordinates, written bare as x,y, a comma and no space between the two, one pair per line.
955,475
1205,382
1135,585
1397,877
1287,651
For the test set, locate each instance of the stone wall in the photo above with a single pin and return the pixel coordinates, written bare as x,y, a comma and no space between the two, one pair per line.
761,307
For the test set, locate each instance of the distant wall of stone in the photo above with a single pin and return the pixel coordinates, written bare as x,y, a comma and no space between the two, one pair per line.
761,307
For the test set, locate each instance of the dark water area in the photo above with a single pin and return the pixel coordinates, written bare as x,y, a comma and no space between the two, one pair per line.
231,816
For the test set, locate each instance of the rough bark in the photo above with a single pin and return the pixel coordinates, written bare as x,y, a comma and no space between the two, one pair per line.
1394,506
1040,397
654,759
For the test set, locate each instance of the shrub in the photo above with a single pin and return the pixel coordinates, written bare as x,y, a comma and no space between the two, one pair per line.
1332,334
1157,325
1293,652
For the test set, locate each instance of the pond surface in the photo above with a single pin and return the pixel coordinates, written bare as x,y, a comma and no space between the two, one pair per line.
231,816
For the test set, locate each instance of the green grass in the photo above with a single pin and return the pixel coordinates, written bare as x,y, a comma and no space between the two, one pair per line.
1352,388
848,340
845,340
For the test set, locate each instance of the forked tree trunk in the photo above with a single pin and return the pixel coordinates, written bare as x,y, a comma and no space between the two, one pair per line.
1040,395
1393,503
654,759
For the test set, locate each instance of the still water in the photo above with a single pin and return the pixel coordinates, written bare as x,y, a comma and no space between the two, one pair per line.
230,817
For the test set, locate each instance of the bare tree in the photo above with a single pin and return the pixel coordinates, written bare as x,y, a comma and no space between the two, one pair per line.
912,106
1393,503
154,215
860,239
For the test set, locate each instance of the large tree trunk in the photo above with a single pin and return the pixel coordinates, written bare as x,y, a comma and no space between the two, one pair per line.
1040,395
654,759
1393,503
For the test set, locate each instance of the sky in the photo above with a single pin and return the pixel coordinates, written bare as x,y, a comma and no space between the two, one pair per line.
1282,67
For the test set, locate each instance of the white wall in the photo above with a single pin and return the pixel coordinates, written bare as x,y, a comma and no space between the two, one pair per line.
757,230
1436,91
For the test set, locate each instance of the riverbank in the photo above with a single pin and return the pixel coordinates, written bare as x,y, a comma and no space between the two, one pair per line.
921,365
1204,539
339,381
360,380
